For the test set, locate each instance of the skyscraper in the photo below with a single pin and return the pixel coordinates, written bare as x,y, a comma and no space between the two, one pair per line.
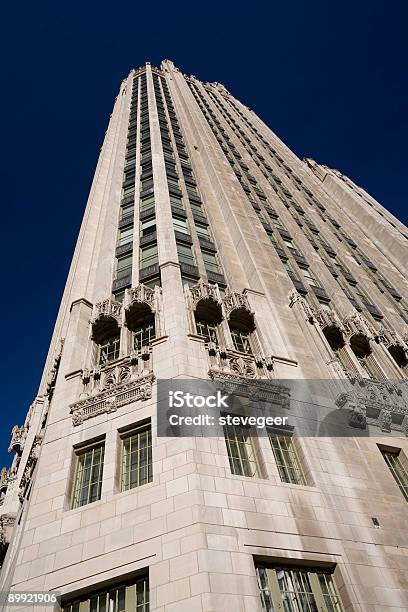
208,250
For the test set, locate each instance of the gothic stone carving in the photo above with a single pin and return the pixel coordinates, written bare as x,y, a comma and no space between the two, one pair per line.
357,324
6,476
391,338
358,417
296,298
204,291
234,301
107,308
140,294
115,395
230,365
328,318
18,436
375,403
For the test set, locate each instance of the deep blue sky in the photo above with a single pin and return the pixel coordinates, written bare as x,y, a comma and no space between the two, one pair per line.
329,78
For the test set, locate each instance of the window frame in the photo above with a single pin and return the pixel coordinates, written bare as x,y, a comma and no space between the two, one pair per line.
243,459
309,577
78,479
286,468
125,482
132,594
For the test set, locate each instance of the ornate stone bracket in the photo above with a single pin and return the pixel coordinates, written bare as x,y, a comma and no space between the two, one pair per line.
235,301
355,324
18,437
203,291
116,395
328,318
139,295
389,337
233,365
108,308
376,403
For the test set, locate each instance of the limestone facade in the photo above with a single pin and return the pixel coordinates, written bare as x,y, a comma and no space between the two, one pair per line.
209,250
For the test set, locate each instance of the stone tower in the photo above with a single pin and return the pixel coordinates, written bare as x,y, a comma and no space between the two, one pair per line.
208,250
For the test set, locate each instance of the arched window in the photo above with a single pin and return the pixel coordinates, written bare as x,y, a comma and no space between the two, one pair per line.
106,334
399,355
360,345
140,320
334,337
242,327
207,317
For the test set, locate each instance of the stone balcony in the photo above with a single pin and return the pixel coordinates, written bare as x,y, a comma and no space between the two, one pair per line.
327,318
115,384
250,375
382,404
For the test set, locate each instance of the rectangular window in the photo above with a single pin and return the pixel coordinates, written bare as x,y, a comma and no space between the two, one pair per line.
147,202
196,207
297,590
127,210
308,276
123,267
146,184
143,335
125,236
206,330
210,262
173,183
148,227
185,254
180,225
287,460
398,466
176,201
241,341
137,457
241,451
125,597
109,349
148,256
128,191
203,231
88,476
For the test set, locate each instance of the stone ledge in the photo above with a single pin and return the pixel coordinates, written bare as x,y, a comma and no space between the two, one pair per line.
112,399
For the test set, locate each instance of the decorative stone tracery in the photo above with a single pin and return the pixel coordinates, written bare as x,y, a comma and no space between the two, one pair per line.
116,392
18,437
383,404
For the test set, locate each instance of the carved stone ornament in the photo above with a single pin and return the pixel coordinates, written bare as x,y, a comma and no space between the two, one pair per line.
204,291
256,390
6,476
296,298
378,401
108,308
328,318
385,420
356,324
7,522
235,301
140,295
18,437
358,417
115,395
390,338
